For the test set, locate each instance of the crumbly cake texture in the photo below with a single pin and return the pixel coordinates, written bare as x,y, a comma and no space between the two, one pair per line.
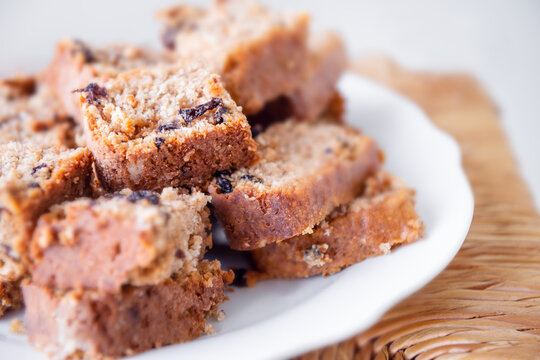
306,170
126,238
373,224
166,126
29,112
327,61
10,296
259,53
96,325
76,64
32,180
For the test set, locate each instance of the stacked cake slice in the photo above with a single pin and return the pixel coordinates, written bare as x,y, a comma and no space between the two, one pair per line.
121,274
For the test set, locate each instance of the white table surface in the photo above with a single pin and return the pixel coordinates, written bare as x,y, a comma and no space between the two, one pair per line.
497,40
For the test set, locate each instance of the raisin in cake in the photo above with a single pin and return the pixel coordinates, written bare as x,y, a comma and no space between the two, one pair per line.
166,126
380,219
306,170
259,53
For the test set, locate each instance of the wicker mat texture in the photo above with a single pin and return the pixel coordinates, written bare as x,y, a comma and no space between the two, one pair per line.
486,303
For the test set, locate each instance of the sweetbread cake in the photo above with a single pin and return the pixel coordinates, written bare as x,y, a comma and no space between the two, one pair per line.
306,171
99,325
259,53
135,238
76,64
31,180
166,126
29,112
380,219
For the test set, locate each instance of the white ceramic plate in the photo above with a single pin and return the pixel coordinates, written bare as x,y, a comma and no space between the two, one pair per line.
279,318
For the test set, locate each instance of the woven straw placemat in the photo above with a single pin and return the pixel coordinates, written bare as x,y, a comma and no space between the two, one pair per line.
486,303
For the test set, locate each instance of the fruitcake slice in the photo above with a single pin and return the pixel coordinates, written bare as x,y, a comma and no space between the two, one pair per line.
259,53
97,325
380,219
126,238
29,112
76,64
306,170
31,180
165,126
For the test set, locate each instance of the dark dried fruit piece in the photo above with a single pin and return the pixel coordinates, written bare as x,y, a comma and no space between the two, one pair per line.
208,231
36,168
252,178
159,141
170,126
179,254
34,185
168,37
85,50
93,91
224,185
147,195
193,113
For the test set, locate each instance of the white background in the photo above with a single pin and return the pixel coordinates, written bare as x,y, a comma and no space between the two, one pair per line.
496,40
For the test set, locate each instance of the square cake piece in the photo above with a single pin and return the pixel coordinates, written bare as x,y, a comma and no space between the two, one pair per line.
259,53
76,64
32,180
96,325
126,238
306,171
29,112
166,126
380,219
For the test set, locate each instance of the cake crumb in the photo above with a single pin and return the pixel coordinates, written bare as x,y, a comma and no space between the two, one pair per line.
315,255
17,327
220,316
209,329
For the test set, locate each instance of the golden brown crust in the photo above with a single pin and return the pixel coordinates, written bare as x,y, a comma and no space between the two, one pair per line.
10,296
256,215
99,326
371,225
188,163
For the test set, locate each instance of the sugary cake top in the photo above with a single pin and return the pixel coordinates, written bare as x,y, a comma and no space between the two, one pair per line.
293,151
211,34
158,102
112,59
